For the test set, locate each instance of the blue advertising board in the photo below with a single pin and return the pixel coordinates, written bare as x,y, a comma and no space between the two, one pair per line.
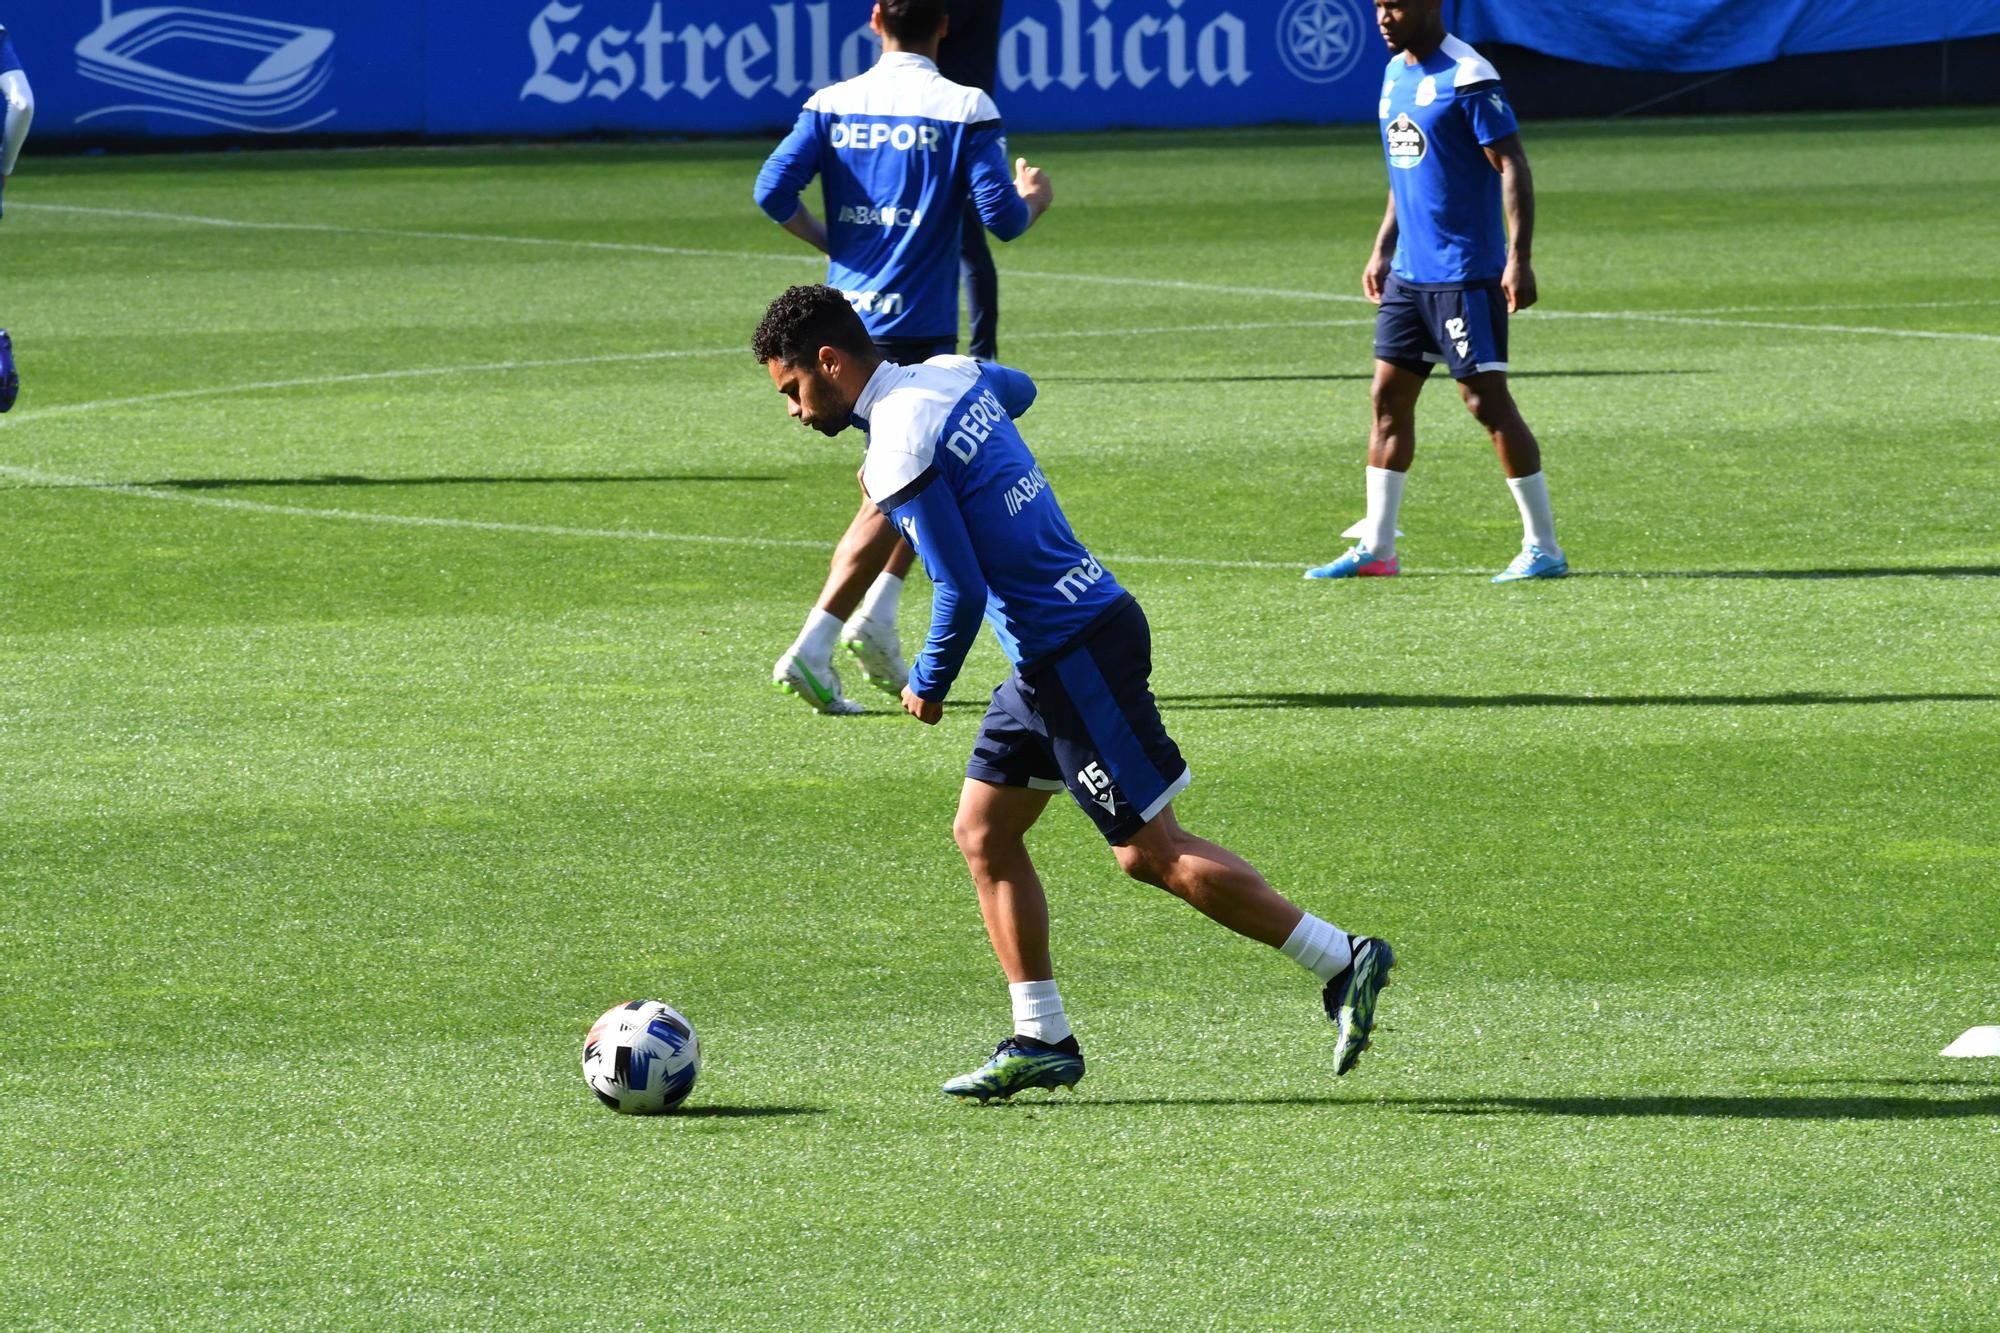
110,68
522,68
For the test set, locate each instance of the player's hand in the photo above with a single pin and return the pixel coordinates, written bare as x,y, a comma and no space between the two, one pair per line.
1518,282
923,710
1374,276
1032,184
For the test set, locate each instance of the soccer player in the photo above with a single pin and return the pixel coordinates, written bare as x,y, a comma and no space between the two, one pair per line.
1456,166
947,465
970,54
19,109
898,151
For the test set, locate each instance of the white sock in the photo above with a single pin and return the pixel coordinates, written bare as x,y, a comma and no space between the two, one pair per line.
1538,524
1319,947
1038,1011
879,604
815,641
1385,497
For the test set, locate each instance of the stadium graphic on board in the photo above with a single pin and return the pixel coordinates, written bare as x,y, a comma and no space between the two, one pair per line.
232,71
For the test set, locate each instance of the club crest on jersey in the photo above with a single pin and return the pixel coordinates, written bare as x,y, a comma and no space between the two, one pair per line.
1405,141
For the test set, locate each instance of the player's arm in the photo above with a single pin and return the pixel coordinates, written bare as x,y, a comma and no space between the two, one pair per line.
928,515
1377,271
784,177
1014,389
1517,198
1008,204
19,102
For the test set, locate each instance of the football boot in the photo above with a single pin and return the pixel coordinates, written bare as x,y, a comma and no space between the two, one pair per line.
1021,1062
819,688
1534,563
1358,563
1350,998
879,651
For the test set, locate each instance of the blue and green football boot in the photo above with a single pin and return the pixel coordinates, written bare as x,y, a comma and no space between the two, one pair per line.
1350,998
1017,1063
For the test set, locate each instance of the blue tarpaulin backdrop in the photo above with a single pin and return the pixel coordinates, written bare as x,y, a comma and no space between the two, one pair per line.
1696,35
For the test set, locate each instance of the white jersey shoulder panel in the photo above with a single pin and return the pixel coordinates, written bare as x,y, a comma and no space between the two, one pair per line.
906,422
905,90
1472,67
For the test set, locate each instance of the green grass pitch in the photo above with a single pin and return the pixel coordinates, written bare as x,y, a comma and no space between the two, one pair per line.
396,545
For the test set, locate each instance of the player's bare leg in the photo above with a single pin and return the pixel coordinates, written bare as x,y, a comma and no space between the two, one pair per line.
1227,889
991,831
1213,880
1392,445
870,629
1491,403
1392,432
863,552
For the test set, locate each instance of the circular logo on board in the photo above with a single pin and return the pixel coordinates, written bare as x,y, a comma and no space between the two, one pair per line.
1405,141
1321,40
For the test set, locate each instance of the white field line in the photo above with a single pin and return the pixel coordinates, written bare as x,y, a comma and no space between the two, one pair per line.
17,419
1094,279
1865,330
331,228
1831,305
358,377
33,477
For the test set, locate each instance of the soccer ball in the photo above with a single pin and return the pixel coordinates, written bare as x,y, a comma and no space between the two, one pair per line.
641,1058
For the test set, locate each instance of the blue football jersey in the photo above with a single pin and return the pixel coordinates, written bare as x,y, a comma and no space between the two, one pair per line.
9,62
898,151
1437,115
947,465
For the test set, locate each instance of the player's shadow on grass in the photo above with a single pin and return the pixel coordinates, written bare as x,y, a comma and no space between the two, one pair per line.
1875,572
338,479
740,1112
1363,699
1361,378
1747,1107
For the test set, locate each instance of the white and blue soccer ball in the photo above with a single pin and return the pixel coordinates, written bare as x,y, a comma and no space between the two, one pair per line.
641,1058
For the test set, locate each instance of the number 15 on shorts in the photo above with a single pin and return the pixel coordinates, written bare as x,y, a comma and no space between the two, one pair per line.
1097,783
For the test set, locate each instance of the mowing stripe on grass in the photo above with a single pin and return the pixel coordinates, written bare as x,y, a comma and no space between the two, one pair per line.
606,358
1096,279
51,479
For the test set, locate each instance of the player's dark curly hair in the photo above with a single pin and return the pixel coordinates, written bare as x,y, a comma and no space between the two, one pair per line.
806,319
912,21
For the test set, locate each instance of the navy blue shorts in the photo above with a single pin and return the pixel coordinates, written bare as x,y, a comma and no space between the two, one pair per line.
1087,721
1462,328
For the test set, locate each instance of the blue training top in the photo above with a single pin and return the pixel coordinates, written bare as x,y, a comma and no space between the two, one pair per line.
1437,115
9,62
948,467
898,151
